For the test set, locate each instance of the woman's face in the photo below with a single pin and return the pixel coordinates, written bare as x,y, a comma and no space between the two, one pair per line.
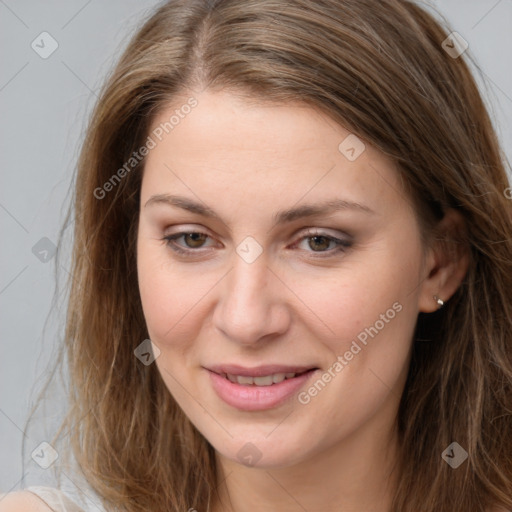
269,236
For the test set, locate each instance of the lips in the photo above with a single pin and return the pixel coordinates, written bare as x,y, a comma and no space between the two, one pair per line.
267,380
259,371
251,389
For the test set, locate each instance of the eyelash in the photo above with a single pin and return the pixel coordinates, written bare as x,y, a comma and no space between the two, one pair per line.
342,245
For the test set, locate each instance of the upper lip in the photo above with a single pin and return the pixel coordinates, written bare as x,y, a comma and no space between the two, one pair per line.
258,371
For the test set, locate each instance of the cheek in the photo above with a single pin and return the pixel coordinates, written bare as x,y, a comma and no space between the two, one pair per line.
365,290
172,297
365,316
163,293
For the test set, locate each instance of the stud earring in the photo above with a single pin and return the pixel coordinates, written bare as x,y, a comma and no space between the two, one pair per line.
439,301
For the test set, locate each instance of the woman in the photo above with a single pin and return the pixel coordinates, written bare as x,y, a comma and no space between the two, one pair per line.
303,205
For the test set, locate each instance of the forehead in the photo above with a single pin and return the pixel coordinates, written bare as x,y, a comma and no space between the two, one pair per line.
226,143
225,122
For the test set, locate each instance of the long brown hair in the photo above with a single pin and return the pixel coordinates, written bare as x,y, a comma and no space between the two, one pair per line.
378,68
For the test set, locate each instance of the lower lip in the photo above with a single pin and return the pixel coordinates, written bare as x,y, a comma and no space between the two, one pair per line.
257,398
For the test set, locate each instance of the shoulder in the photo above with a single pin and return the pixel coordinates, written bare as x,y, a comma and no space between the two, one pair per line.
22,501
38,499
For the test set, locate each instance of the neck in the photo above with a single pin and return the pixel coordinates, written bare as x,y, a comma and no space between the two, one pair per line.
357,474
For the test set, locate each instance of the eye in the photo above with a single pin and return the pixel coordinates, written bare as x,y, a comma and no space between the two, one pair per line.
195,238
319,242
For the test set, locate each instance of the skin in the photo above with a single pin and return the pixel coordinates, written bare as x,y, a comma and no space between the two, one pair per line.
300,302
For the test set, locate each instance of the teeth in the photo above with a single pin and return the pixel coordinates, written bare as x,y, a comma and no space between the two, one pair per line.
262,381
244,380
279,377
266,380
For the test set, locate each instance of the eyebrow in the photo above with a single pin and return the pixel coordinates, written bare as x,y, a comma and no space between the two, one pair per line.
281,217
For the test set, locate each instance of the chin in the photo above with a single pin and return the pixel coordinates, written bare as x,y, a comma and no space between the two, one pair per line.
261,450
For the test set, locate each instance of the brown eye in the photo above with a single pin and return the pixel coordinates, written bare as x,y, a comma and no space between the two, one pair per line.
320,243
192,240
195,239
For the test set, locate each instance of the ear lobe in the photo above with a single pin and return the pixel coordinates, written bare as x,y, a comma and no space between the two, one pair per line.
447,262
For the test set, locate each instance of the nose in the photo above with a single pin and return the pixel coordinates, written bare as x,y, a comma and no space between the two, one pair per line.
252,306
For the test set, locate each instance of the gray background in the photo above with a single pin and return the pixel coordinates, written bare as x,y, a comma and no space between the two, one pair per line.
43,109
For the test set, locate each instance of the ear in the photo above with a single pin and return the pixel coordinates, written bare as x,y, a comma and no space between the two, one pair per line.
446,263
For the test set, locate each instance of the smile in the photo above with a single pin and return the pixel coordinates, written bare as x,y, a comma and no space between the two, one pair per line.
267,380
258,393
